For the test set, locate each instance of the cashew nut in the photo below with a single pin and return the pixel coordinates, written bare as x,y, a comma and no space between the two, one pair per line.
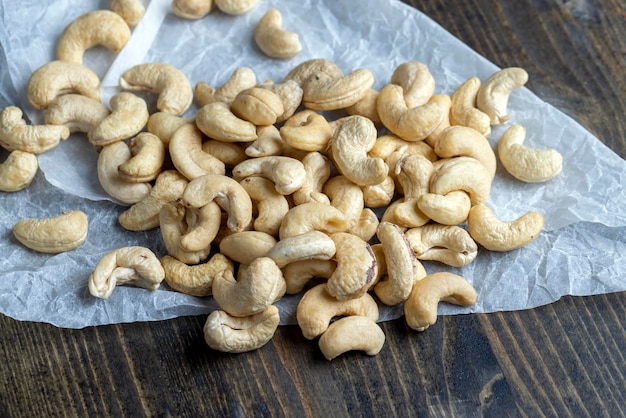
110,158
187,155
312,216
347,197
448,244
323,92
493,95
463,173
356,267
352,333
196,280
387,145
272,39
309,68
15,134
246,246
366,106
127,265
457,141
267,143
99,27
241,78
128,117
317,168
530,165
290,94
148,158
444,102
463,110
236,7
192,9
231,334
496,235
317,308
53,235
418,84
173,226
130,10
168,82
164,124
203,225
60,77
18,171
287,173
451,208
420,309
299,273
367,225
217,121
230,153
260,285
379,195
307,246
306,130
79,113
271,205
258,106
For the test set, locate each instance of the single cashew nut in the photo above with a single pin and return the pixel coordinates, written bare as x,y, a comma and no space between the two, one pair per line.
457,141
231,334
299,273
323,92
306,130
53,235
347,197
448,244
290,94
379,195
99,27
416,81
493,95
127,265
246,246
79,113
317,168
445,102
164,125
388,145
173,225
271,205
147,161
241,78
463,110
196,280
267,143
203,225
15,134
287,174
366,106
306,69
258,106
185,148
260,285
352,333
60,77
192,9
18,171
451,208
530,165
463,173
420,309
130,10
128,117
273,40
110,158
312,216
317,308
168,82
217,121
236,7
496,235
307,246
356,267
230,153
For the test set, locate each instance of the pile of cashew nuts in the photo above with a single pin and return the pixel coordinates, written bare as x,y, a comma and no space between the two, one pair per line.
262,193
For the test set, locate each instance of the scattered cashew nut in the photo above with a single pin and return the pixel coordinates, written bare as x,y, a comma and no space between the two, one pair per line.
18,171
273,40
493,95
195,280
53,235
352,333
15,134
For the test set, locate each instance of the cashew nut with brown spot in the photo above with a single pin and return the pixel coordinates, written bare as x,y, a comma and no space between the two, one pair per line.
53,235
356,267
260,285
531,165
110,158
494,93
420,309
236,7
403,268
317,168
173,225
323,92
128,117
306,130
60,77
217,121
133,265
258,106
352,333
457,141
99,27
451,208
418,84
79,113
195,280
131,11
164,125
317,308
18,171
147,160
271,206
448,244
272,39
185,149
168,82
232,334
246,246
287,173
497,235
463,110
192,9
463,173
312,245
15,134
144,215
299,273
312,216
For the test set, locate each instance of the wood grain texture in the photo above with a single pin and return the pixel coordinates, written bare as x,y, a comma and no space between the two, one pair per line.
563,359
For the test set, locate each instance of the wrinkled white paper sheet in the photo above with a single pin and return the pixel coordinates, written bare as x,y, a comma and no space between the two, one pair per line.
582,250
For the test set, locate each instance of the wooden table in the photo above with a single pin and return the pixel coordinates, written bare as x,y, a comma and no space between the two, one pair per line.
564,359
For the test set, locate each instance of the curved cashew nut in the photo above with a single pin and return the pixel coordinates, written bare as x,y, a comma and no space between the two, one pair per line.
322,92
317,308
148,157
409,123
299,273
110,158
356,267
287,173
347,197
258,106
260,285
53,235
79,113
236,7
99,27
530,165
130,10
307,246
444,102
271,205
217,121
349,147
403,268
267,143
306,130
273,40
241,78
187,155
168,82
15,134
496,235
317,168
312,216
127,265
203,225
420,309
290,94
366,106
246,246
192,9
164,125
493,95
416,81
231,334
226,192
308,68
451,208
389,144
230,153
195,280
367,225
60,77
463,110
352,333
457,141
463,173
128,117
379,195
448,244
173,225
18,171
144,215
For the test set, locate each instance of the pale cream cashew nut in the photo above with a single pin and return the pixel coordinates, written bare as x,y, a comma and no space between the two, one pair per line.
164,125
463,110
366,106
16,134
494,93
240,79
309,68
271,206
53,235
18,171
418,84
445,102
352,333
217,121
290,94
463,173
258,106
379,195
267,143
188,156
306,130
246,246
317,168
287,174
131,11
79,113
312,216
173,225
299,273
323,92
347,197
356,267
448,244
230,153
451,208
307,246
203,225
195,280
128,117
110,158
236,7
273,39
192,9
458,140
147,161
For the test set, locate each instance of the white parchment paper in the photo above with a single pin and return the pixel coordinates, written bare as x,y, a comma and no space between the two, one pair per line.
582,250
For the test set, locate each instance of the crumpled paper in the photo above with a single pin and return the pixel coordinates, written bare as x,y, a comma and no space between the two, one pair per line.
582,250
